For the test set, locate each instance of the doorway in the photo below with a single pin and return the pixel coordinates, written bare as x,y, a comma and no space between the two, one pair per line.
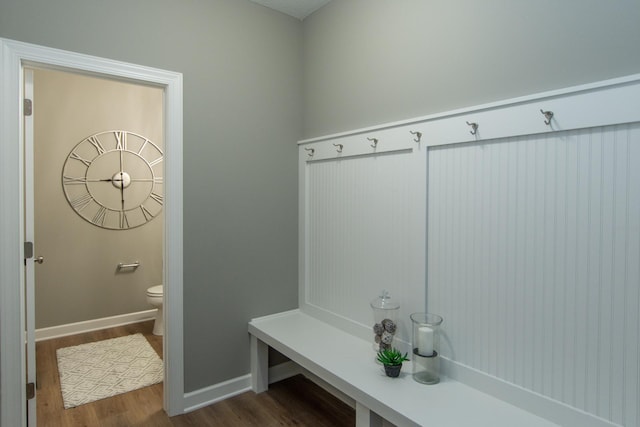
82,242
15,56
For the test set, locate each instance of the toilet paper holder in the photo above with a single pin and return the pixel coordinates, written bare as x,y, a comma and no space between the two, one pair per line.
133,265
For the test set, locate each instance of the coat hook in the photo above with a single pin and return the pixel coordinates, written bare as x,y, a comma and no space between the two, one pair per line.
339,149
548,115
417,134
474,128
311,151
375,142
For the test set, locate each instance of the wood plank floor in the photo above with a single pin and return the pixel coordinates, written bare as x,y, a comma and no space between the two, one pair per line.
292,402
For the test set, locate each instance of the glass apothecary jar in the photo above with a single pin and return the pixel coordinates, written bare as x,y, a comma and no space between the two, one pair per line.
385,318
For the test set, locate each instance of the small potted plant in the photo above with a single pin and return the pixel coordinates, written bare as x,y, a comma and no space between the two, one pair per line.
392,360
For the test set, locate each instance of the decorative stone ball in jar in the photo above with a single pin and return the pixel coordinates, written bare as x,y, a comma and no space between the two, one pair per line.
385,318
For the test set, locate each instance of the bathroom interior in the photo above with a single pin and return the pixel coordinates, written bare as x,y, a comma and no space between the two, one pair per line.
94,272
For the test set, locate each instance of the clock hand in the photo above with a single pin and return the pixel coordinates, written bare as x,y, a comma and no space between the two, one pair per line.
105,180
121,163
122,189
122,179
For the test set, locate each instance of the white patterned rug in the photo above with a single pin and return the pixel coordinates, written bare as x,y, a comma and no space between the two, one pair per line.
96,370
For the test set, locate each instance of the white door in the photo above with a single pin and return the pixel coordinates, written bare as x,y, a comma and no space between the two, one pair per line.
29,236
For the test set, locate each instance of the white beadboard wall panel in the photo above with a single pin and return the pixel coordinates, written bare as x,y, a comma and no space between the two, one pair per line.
365,232
526,235
533,261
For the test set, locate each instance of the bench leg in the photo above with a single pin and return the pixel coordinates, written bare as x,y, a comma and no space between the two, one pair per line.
366,417
259,365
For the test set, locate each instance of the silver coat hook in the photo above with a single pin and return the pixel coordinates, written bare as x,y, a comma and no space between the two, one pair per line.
548,115
474,128
375,142
311,151
339,147
417,134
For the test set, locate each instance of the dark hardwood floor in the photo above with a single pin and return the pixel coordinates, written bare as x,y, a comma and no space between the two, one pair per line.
292,402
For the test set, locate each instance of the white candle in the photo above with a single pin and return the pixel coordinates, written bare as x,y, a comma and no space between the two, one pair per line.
425,341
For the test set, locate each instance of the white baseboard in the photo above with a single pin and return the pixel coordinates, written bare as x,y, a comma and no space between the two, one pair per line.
216,393
224,390
94,325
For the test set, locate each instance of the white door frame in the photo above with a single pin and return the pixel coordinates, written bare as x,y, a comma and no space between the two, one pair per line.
29,229
13,57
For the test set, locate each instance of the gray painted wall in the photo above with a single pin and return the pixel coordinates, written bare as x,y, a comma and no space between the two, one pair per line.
375,61
242,117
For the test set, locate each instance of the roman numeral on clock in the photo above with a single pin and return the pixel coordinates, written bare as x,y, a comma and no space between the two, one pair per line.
124,221
121,140
74,180
80,159
81,202
99,217
147,214
157,197
96,143
155,162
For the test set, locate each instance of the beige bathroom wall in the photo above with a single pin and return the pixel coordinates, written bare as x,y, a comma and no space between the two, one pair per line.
79,279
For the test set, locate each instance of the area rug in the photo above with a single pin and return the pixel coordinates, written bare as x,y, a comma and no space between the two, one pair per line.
101,369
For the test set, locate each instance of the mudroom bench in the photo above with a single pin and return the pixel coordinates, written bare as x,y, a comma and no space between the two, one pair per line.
347,363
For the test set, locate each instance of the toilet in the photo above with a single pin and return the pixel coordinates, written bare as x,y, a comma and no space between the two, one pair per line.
154,297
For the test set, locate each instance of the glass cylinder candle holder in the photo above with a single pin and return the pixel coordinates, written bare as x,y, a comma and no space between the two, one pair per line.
385,318
426,346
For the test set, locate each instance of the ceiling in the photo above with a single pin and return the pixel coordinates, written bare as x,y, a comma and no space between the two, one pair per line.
297,8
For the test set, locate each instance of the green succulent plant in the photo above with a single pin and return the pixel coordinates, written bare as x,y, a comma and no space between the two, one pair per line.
391,357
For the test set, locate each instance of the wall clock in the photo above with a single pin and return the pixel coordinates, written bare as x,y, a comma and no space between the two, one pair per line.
113,179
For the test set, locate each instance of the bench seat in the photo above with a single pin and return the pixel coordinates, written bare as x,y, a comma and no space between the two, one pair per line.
347,363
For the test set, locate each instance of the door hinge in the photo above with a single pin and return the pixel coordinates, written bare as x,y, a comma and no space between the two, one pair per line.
28,107
28,250
31,391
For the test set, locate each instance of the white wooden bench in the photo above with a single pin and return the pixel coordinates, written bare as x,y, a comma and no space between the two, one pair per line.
347,363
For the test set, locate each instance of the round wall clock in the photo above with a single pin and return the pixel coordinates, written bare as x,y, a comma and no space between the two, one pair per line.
113,179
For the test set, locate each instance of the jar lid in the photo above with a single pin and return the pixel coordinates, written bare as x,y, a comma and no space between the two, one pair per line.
384,302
